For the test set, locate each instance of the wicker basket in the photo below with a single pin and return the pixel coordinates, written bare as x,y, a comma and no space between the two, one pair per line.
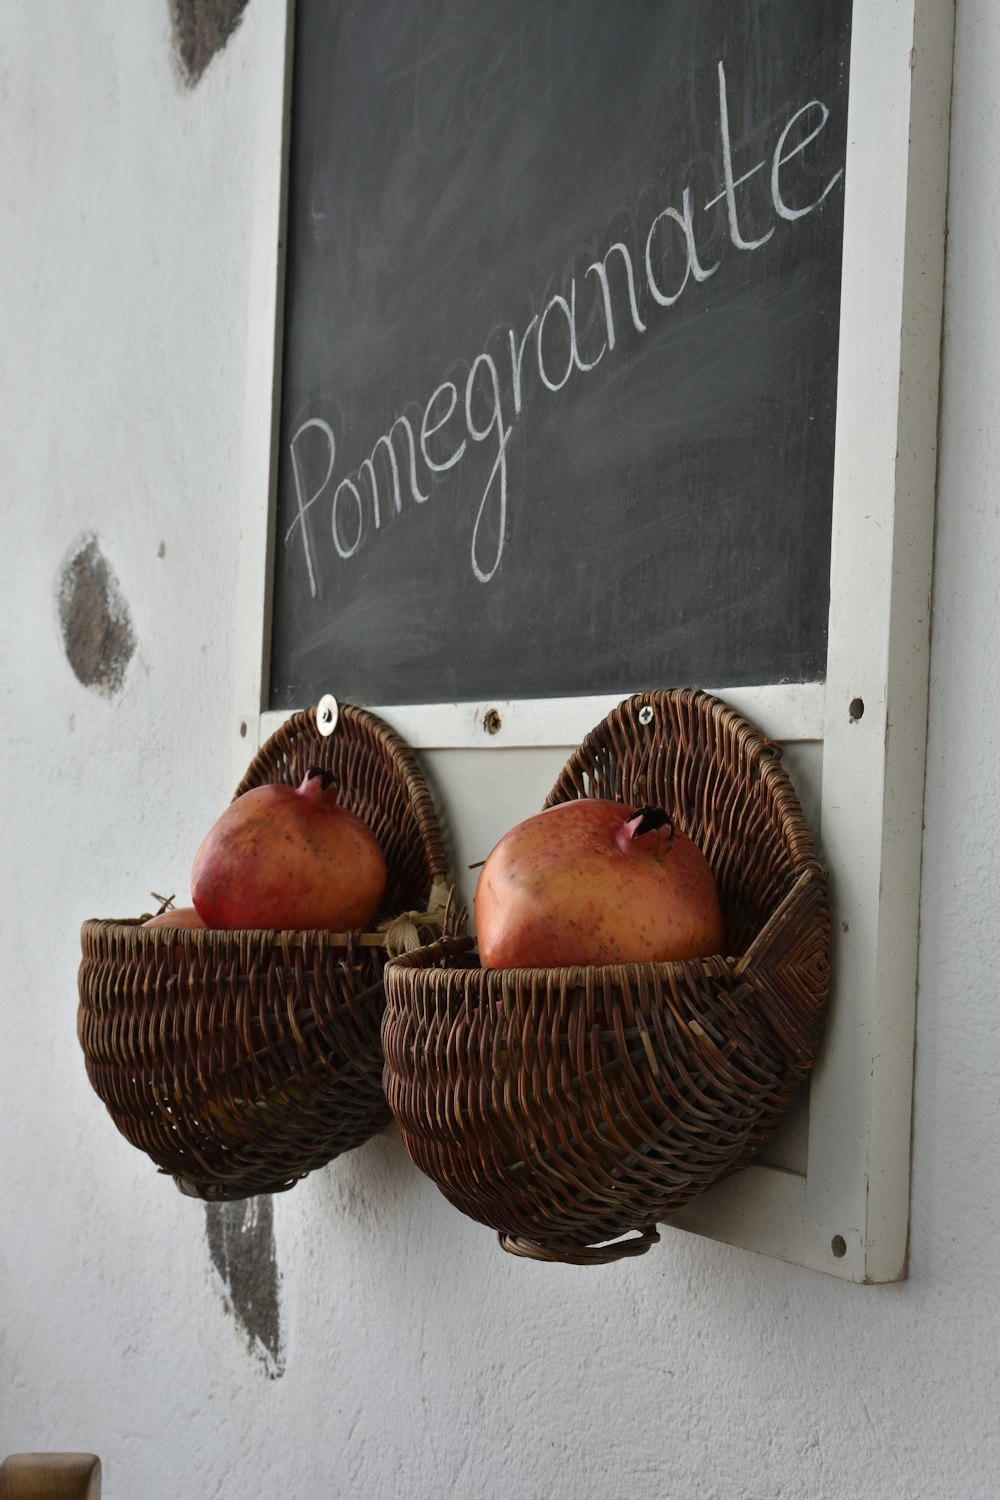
240,1061
568,1107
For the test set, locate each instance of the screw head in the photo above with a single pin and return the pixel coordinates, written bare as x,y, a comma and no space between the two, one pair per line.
327,714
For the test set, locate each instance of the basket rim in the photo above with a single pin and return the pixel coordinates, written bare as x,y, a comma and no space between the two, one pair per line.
264,937
432,958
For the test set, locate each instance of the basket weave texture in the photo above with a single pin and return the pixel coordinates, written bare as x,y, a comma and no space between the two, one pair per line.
240,1061
568,1107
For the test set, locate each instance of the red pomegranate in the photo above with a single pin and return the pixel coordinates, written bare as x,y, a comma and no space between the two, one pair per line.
291,858
595,882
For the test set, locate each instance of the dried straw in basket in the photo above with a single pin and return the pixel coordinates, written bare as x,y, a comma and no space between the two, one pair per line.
240,1061
568,1107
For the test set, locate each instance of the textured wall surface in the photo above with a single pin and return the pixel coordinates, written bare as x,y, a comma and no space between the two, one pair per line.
357,1337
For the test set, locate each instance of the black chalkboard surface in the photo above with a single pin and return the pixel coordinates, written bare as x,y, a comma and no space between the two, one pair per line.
560,347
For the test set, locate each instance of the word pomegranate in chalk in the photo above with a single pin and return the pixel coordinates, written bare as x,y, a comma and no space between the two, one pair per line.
596,882
176,916
291,858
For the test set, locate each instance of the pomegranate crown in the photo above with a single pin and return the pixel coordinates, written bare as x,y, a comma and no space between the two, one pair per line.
649,819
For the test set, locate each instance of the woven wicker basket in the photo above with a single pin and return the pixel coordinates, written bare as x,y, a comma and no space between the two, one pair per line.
568,1107
240,1061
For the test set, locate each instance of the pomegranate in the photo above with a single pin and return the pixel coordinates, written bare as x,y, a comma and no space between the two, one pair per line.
176,916
595,882
289,857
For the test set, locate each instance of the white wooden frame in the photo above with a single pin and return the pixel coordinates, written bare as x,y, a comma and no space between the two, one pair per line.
847,1212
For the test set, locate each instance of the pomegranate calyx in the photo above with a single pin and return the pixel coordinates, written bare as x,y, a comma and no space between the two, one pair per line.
643,821
325,777
649,820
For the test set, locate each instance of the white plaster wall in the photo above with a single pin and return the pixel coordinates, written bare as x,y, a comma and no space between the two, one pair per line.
418,1360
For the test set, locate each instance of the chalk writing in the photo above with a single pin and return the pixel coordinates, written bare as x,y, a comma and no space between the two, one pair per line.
558,341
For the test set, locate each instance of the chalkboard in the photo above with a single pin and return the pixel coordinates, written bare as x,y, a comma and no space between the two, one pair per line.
559,369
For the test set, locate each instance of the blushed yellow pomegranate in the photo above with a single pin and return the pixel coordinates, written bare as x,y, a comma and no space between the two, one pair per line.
176,916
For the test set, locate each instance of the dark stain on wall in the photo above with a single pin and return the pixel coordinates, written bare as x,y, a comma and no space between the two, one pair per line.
241,1244
96,628
201,29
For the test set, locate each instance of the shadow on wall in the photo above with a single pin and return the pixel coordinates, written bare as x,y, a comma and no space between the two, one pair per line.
201,29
